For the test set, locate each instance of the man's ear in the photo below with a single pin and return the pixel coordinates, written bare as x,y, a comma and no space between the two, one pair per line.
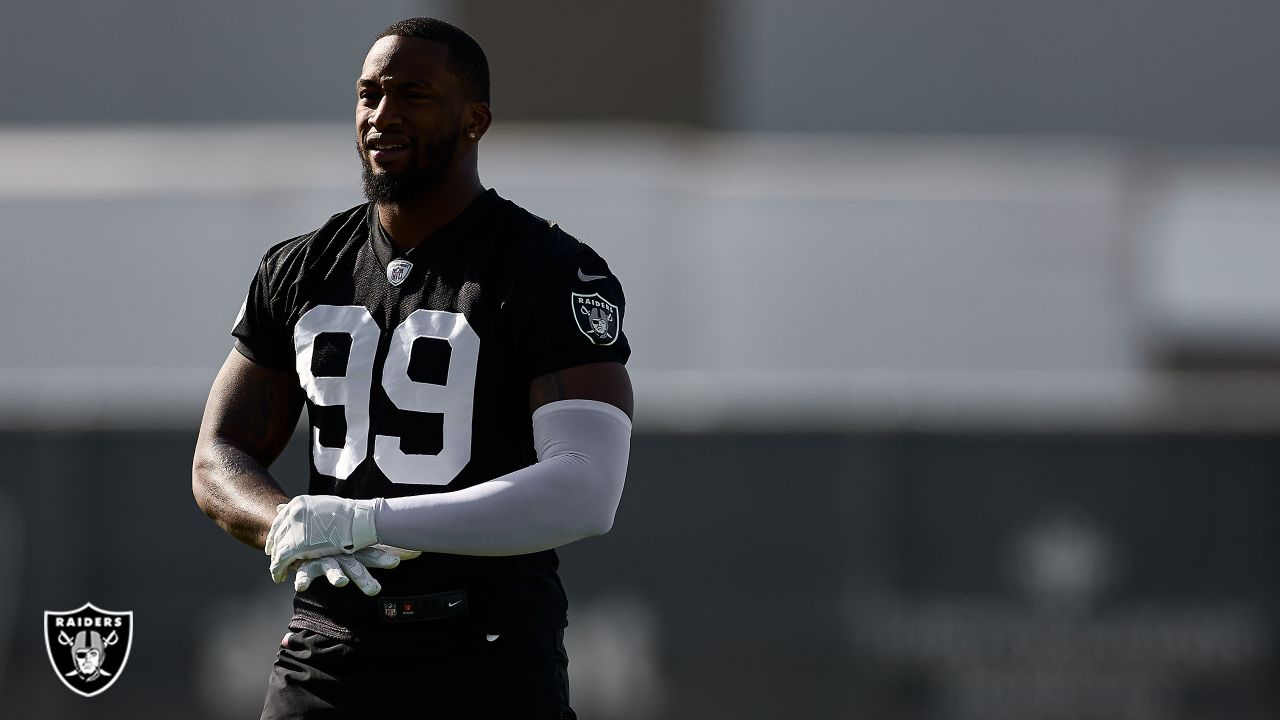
478,119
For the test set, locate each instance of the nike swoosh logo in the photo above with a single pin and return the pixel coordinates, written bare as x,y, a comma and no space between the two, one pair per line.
455,602
589,278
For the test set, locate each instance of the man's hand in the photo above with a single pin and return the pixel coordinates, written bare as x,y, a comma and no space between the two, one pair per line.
312,526
341,569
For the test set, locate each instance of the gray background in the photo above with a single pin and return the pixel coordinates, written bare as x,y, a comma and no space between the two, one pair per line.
1165,70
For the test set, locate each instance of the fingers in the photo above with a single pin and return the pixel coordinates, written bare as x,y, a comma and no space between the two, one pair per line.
303,576
399,552
282,553
308,570
367,583
279,570
277,526
333,571
377,558
280,564
340,570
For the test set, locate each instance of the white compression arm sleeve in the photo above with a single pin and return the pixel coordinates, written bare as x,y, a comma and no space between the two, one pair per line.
572,492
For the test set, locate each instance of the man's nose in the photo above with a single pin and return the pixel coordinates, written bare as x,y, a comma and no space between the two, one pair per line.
386,114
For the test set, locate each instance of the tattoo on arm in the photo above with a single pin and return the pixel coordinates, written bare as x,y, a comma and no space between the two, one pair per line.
545,389
604,381
249,418
260,417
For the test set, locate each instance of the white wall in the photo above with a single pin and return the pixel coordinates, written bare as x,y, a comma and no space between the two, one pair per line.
770,278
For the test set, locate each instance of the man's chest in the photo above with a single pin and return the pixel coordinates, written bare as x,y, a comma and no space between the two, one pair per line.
397,296
404,373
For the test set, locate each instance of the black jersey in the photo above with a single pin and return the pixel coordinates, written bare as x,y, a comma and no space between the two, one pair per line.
416,368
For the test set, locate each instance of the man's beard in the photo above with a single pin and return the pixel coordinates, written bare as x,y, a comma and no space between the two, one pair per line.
401,187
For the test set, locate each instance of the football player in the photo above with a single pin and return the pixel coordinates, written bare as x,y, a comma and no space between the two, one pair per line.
462,365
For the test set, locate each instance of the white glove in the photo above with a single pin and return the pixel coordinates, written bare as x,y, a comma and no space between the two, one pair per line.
312,526
342,569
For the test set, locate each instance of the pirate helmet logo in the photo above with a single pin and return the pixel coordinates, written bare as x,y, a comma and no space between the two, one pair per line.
88,647
597,318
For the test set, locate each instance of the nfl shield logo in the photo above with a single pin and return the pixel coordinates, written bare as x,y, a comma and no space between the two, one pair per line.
88,646
397,271
597,318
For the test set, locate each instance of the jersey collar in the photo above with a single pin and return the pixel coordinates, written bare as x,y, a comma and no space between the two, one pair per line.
456,232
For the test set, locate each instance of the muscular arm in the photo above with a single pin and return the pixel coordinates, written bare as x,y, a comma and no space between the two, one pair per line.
572,491
248,419
606,382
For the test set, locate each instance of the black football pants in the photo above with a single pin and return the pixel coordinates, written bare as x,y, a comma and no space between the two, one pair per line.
450,675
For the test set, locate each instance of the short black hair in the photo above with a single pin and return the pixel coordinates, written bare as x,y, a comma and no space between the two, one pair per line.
466,59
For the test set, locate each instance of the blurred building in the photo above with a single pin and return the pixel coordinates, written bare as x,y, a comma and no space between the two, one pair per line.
956,342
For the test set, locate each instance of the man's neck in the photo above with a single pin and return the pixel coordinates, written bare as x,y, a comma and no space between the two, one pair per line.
409,224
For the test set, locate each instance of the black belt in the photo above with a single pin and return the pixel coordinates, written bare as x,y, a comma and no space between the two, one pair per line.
437,606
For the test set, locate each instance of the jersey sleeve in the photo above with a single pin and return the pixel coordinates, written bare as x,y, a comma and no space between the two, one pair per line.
576,317
259,334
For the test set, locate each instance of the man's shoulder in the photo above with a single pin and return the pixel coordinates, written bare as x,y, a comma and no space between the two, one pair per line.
545,263
299,252
537,241
340,226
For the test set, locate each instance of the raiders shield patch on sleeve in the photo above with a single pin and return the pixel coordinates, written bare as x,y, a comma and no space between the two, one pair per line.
597,318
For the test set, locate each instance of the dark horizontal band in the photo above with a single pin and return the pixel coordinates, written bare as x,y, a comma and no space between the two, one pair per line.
437,606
